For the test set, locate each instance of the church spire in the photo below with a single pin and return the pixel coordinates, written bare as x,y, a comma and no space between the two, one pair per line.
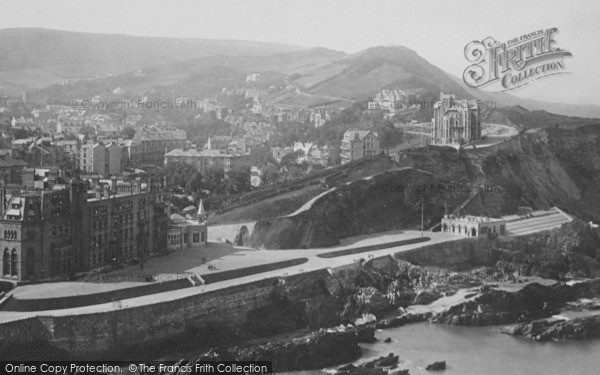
201,212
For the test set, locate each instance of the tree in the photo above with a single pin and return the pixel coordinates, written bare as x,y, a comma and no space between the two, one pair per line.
213,179
182,175
271,175
262,155
195,182
129,132
291,159
87,130
238,180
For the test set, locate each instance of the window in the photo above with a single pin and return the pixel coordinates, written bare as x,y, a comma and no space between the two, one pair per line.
196,237
6,262
13,263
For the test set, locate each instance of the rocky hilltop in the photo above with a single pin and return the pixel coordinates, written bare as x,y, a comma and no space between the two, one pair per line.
540,168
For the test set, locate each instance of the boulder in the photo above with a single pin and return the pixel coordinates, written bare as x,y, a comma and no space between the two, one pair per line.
436,366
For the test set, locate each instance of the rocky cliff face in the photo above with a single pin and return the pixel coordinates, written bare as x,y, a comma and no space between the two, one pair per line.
570,251
540,168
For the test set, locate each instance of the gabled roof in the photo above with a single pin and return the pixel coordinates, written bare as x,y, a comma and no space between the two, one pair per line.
351,134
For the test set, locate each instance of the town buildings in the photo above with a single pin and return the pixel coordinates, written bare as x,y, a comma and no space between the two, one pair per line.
53,234
99,158
358,144
455,122
205,159
153,145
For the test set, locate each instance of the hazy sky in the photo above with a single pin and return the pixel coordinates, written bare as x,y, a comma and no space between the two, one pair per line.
437,30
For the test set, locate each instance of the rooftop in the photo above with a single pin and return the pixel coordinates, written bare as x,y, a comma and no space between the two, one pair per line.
192,152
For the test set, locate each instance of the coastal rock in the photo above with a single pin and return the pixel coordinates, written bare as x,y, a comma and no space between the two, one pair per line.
384,265
365,334
365,319
403,319
576,329
311,351
386,365
426,297
436,366
388,361
367,300
492,306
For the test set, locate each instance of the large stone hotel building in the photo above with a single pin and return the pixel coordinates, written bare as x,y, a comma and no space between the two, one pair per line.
46,235
455,122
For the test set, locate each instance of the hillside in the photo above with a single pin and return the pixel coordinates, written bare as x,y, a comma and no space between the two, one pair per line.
285,198
540,169
36,58
365,73
308,77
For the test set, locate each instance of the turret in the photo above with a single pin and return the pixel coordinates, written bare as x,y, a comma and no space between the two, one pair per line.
201,212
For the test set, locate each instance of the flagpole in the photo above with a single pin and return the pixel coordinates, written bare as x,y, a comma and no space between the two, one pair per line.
422,217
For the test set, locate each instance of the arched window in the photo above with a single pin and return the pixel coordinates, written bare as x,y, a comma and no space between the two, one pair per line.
445,228
473,232
13,263
6,262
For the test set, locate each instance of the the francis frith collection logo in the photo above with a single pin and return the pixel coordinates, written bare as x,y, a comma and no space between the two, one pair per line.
516,63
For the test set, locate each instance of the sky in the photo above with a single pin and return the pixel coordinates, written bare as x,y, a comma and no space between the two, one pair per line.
436,30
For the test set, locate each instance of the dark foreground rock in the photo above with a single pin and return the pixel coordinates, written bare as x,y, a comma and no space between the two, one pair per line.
576,329
365,334
380,366
436,366
316,350
313,350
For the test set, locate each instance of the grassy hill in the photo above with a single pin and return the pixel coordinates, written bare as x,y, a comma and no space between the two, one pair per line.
36,58
367,72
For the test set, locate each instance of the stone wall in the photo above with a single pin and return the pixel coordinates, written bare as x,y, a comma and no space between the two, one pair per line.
91,336
459,254
228,232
